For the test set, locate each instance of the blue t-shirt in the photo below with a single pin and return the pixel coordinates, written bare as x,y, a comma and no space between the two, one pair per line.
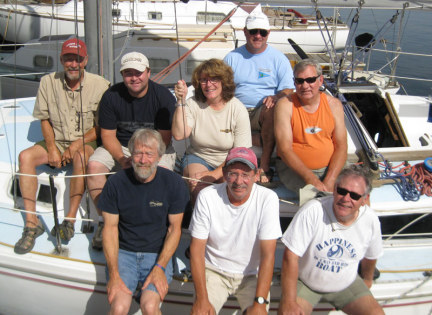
143,208
259,75
119,110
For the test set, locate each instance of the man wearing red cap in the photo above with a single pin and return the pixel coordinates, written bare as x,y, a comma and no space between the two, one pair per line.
66,105
234,229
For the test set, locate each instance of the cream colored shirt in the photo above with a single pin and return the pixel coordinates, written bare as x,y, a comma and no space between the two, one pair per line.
66,109
214,132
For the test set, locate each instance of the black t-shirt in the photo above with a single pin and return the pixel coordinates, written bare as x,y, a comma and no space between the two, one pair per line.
143,208
119,110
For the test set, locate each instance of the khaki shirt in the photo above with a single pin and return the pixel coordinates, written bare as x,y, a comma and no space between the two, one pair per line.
56,102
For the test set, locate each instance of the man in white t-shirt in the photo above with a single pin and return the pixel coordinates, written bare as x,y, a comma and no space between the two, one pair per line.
234,230
326,241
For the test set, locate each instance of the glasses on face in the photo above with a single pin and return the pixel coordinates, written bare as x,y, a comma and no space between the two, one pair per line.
342,191
72,58
255,31
234,176
209,80
308,80
139,155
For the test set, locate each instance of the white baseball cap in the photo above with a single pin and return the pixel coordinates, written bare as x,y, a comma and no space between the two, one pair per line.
134,60
257,20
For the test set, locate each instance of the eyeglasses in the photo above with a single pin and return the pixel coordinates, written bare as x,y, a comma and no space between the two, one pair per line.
139,155
255,31
308,80
234,176
342,191
209,80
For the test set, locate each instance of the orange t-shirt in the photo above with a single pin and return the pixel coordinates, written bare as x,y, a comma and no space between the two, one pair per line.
312,133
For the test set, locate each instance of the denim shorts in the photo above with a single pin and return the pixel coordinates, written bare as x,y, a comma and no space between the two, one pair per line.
193,159
134,267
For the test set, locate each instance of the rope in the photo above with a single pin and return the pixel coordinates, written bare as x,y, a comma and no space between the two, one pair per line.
404,182
165,72
423,178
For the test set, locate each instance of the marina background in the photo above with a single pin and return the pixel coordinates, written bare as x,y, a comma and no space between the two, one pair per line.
416,39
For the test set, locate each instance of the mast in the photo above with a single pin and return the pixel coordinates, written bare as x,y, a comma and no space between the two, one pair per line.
99,39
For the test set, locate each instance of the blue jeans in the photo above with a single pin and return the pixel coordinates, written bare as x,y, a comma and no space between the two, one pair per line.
191,159
134,267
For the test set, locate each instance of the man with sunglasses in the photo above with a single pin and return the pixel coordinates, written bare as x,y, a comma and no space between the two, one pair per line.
66,105
262,75
234,229
310,132
325,243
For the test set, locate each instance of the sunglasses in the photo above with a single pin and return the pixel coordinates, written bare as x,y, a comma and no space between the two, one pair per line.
342,191
255,31
308,80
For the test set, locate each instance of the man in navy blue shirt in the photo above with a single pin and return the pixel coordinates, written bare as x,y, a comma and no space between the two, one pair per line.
143,209
135,103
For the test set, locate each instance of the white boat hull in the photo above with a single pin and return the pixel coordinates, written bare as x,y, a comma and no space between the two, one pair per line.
44,282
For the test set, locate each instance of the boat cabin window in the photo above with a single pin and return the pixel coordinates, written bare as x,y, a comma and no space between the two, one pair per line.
191,65
210,17
157,65
154,15
43,61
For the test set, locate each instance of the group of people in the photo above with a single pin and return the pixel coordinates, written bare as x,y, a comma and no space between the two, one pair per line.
247,99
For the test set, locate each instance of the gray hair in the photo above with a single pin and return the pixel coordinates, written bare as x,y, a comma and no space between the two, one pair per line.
303,64
357,171
146,137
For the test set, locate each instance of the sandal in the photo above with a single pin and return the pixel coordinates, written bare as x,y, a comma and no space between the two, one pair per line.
66,230
267,175
27,240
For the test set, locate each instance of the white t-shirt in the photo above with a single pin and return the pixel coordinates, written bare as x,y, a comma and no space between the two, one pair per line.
329,252
215,132
233,233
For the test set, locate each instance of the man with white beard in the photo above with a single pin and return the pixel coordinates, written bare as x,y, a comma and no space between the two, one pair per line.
143,209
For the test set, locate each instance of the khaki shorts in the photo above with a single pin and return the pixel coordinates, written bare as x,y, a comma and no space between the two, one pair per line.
291,179
220,285
254,117
62,146
340,299
102,155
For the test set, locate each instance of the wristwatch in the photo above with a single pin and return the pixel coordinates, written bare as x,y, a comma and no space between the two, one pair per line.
261,300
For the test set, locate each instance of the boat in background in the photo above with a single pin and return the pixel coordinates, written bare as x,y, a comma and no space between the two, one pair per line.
22,23
392,134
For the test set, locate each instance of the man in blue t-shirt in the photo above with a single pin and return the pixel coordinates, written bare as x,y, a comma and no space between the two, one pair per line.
262,75
135,103
143,209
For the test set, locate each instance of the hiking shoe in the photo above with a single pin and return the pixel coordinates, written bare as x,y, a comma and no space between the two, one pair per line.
66,230
97,238
28,238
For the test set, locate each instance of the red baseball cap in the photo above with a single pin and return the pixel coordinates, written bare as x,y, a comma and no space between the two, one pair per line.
243,155
74,46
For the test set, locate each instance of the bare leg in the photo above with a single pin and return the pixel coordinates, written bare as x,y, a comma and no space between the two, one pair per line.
121,304
194,186
268,138
363,306
77,183
96,183
29,159
150,302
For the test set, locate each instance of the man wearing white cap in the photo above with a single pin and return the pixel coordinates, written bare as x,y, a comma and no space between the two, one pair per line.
135,103
262,75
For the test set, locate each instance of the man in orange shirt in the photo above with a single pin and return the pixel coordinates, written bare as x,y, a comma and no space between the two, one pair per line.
310,132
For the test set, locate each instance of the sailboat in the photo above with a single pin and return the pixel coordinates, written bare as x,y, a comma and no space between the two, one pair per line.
390,133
